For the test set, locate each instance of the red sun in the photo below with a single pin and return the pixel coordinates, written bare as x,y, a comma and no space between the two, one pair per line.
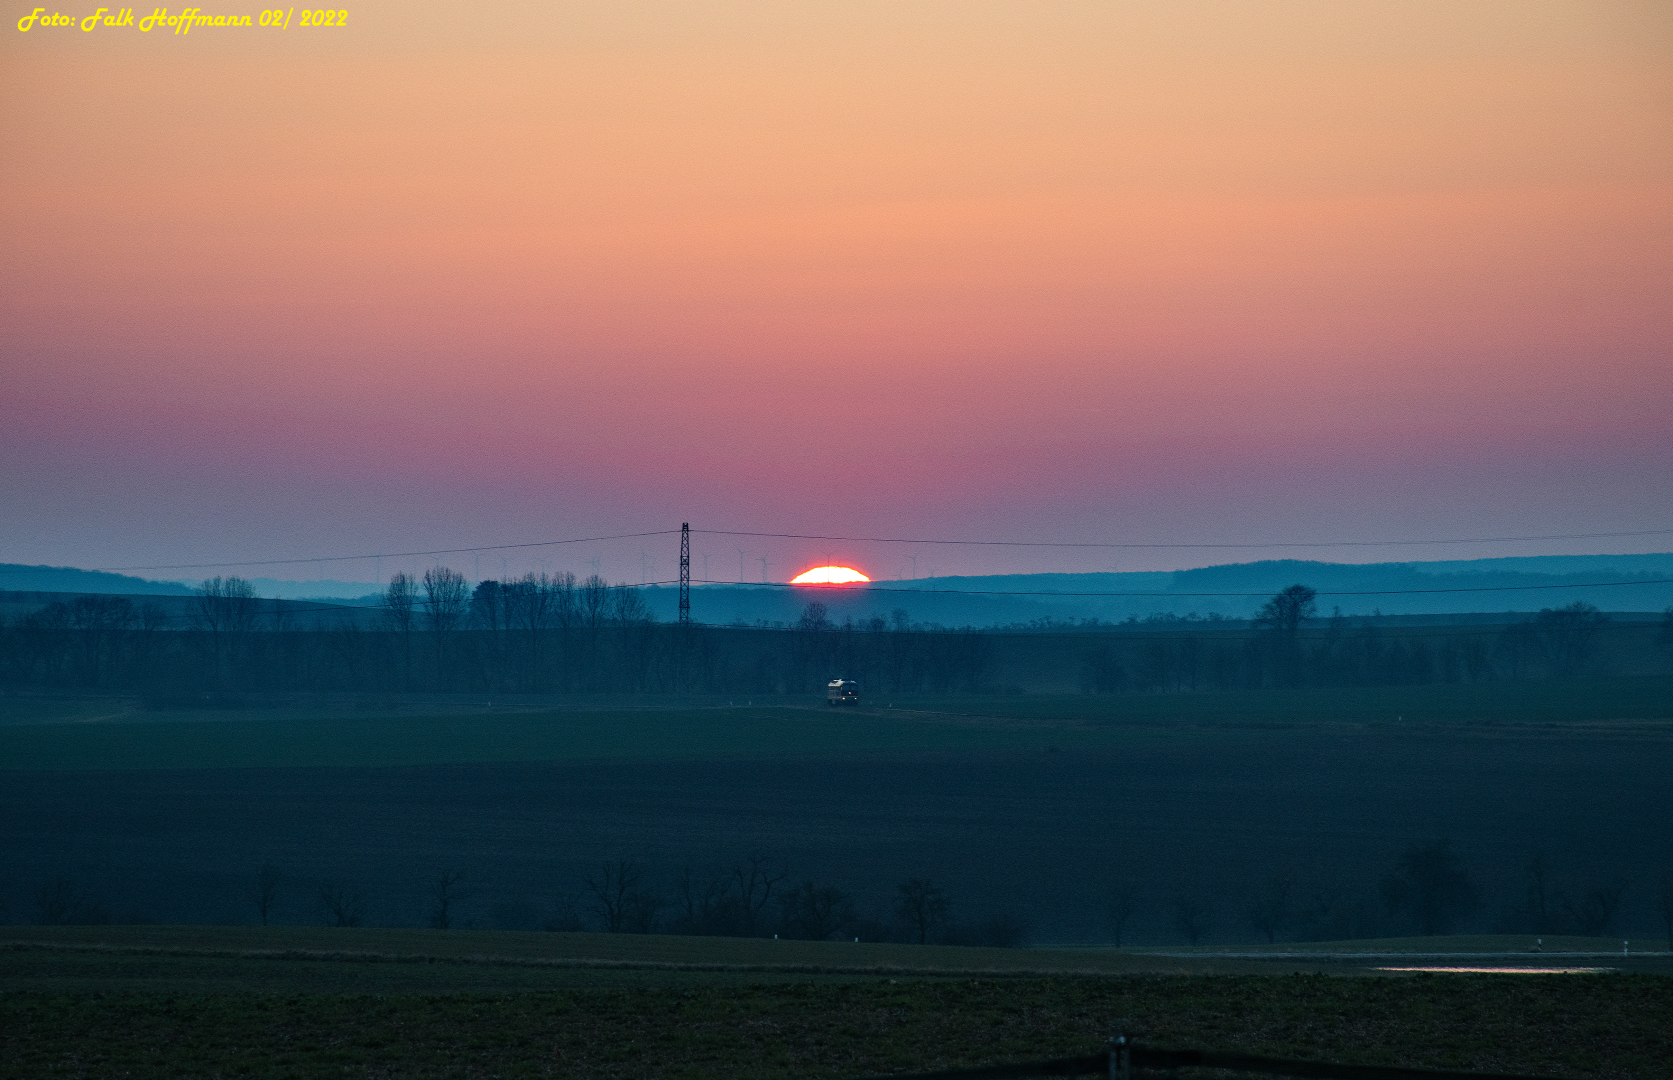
829,575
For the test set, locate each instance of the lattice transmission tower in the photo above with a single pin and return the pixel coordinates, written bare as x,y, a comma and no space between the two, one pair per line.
685,573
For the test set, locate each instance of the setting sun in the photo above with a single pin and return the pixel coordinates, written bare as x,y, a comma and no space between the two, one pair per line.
828,575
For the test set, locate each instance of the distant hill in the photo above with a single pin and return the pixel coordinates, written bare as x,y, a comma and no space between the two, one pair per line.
1451,587
17,578
1435,588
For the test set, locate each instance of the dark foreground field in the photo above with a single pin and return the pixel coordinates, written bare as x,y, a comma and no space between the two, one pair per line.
1554,1025
1039,820
306,1002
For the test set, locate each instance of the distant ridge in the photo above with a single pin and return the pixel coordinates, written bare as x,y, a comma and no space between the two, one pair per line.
1391,588
15,577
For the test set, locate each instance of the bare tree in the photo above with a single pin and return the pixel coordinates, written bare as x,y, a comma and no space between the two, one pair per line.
399,601
101,622
643,907
342,905
445,891
1538,900
628,607
1190,918
1595,912
446,603
1285,612
152,616
224,607
594,602
1566,635
1123,903
702,900
815,913
612,890
1270,913
922,906
1430,888
1664,906
62,901
266,891
756,877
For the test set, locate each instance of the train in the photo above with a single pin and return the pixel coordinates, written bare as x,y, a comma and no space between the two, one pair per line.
842,692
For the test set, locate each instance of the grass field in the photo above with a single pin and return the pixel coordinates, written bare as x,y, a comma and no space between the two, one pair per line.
168,1002
199,959
1031,803
1038,818
57,731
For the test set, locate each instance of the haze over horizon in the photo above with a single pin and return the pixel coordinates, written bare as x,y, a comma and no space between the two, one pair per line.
1199,273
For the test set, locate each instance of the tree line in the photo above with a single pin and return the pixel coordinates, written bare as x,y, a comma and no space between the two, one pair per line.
1428,891
755,896
1290,646
539,633
557,633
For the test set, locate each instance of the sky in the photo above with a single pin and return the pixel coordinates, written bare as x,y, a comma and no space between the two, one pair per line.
1174,273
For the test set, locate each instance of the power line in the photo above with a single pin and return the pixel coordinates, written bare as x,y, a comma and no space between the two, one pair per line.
890,540
1164,595
385,554
1273,544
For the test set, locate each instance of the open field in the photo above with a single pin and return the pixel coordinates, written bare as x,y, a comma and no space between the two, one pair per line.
216,959
199,959
292,1001
172,1002
1034,816
69,731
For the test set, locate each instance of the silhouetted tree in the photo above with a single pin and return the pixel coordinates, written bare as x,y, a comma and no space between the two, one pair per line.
643,906
224,607
1664,906
1270,912
628,608
100,622
1101,671
814,913
446,602
815,616
446,890
1429,887
266,891
612,890
60,902
705,903
1286,611
1566,635
921,906
1538,899
756,878
1190,919
1123,903
399,601
341,904
1594,913
1282,617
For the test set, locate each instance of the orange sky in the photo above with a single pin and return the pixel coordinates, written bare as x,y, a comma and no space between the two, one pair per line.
467,273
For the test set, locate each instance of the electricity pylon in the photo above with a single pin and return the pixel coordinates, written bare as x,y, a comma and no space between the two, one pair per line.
685,573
